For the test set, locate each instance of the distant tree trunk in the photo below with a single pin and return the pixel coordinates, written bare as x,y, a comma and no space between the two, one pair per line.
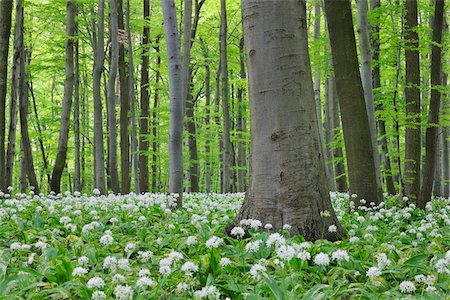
176,100
5,32
145,103
437,185
132,97
431,137
99,59
217,121
76,118
287,175
155,142
446,150
113,172
124,104
360,158
207,124
366,77
376,82
412,96
227,159
60,162
241,125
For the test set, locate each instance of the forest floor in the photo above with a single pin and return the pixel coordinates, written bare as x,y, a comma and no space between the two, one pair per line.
141,247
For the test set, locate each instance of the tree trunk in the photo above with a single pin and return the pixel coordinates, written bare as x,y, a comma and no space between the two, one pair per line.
227,159
412,96
360,158
376,82
241,125
176,100
155,142
219,185
145,103
5,32
60,161
366,78
437,185
287,174
76,118
446,149
431,136
208,170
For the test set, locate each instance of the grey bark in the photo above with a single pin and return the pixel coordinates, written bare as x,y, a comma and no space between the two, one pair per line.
446,149
76,118
60,161
357,137
176,100
155,142
287,175
113,172
99,59
5,32
207,124
241,125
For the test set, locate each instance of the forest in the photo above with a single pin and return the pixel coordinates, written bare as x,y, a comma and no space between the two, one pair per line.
224,149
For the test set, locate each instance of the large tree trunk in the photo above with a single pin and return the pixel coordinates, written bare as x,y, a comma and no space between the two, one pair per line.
376,82
226,155
60,161
360,158
76,118
99,58
176,100
124,105
5,32
241,125
112,97
366,77
412,96
145,103
155,141
287,174
431,137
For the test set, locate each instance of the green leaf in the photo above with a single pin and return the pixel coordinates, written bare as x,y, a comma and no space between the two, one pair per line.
274,287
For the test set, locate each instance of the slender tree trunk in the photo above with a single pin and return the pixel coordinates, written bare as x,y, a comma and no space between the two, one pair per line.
412,96
207,125
219,185
437,185
376,82
155,142
176,100
76,118
132,97
241,125
99,58
360,158
287,176
5,32
431,137
60,162
446,148
145,103
227,158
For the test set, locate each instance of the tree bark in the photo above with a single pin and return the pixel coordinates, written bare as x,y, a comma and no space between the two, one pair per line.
412,96
99,59
226,154
446,149
207,122
431,136
357,137
76,118
176,100
5,32
145,103
113,172
60,161
241,124
155,142
287,174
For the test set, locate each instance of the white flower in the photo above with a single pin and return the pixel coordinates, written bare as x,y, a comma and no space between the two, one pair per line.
98,295
268,226
15,246
191,240
405,198
65,220
181,287
144,272
430,289
189,267
238,231
253,246
325,214
110,262
95,282
441,266
175,255
144,256
407,287
123,264
129,248
106,240
275,239
340,255
224,261
382,260
83,260
123,292
285,252
373,271
303,255
118,278
31,258
214,242
207,291
165,270
322,259
79,271
332,228
144,282
287,227
255,269
96,192
255,224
